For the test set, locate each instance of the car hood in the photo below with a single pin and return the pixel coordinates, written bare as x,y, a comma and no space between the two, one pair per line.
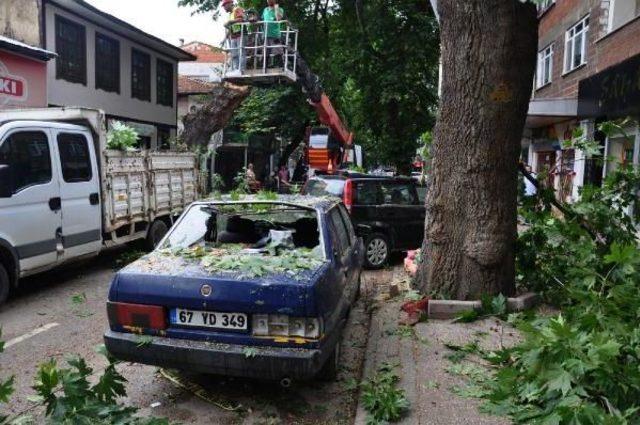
177,282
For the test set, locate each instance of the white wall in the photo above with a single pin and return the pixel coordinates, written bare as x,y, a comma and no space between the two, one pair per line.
64,93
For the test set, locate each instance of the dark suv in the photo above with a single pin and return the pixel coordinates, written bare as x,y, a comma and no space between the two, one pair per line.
386,211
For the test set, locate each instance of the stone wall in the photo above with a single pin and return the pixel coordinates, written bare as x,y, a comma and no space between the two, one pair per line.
20,20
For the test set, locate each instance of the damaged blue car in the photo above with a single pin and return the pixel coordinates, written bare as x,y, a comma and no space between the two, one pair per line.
259,287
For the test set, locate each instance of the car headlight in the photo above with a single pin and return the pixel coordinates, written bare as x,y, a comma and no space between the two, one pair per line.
286,326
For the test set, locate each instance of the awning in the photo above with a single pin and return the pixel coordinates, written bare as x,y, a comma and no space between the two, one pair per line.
544,112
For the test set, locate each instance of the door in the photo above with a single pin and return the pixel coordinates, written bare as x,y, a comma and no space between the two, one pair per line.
402,210
30,219
80,194
546,167
342,259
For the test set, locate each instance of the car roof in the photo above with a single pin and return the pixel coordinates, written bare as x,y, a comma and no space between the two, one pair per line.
322,203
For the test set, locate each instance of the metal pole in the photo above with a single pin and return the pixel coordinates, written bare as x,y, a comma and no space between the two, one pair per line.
285,51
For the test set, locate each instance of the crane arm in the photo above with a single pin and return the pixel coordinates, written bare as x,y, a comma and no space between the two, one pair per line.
327,114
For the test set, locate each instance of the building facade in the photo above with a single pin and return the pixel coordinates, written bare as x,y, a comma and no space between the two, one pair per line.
102,62
588,53
208,65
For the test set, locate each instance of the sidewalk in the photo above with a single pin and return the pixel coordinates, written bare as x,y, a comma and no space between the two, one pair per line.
422,362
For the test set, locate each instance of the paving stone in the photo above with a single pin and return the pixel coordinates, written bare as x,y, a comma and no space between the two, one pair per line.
450,309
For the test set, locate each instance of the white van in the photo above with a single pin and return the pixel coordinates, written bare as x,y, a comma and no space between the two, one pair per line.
64,196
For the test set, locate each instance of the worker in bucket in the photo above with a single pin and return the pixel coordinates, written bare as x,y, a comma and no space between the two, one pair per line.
271,15
235,34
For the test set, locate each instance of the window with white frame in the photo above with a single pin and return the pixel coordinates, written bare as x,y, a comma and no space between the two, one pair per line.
545,66
544,5
575,45
621,12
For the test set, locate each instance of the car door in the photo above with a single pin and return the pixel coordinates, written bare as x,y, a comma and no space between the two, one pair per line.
342,257
402,210
355,252
79,192
30,219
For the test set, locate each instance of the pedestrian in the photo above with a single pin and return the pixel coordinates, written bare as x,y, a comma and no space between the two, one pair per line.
271,15
283,180
530,189
252,181
235,34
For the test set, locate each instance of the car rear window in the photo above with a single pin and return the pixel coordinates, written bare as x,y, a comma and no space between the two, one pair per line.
320,187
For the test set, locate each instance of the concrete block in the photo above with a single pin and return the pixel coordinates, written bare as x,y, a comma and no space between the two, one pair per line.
450,309
523,302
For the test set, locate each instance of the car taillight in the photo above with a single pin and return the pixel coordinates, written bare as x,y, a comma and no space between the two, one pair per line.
286,326
348,194
137,315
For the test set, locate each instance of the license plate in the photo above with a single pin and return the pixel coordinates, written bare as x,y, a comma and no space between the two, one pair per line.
209,319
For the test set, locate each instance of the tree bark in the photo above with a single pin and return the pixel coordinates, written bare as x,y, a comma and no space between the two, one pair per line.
488,57
200,125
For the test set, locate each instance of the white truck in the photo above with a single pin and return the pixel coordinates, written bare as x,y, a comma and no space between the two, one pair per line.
64,196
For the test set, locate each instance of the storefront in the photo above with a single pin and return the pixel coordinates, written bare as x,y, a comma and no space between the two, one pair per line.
614,94
23,75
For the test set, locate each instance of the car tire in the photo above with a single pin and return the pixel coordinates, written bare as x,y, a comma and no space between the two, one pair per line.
156,232
376,251
329,371
5,284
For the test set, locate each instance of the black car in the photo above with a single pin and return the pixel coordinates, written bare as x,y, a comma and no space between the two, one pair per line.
386,211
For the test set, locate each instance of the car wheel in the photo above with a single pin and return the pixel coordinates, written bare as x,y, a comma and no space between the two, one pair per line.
155,234
4,284
329,371
376,251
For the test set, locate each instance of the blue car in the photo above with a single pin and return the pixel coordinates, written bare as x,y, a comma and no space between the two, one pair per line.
257,288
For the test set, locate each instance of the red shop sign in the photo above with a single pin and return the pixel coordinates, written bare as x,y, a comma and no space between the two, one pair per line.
12,87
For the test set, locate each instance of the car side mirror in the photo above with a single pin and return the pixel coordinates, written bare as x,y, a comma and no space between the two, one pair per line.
6,181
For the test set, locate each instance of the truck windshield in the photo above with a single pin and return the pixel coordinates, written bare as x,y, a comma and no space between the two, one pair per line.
258,227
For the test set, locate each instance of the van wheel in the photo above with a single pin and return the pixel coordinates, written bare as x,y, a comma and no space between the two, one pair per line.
376,251
156,232
4,284
329,371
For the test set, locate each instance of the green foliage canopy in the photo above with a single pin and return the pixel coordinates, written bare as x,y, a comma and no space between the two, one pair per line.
378,61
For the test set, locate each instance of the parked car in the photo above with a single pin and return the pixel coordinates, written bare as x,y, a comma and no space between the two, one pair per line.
64,196
386,211
250,288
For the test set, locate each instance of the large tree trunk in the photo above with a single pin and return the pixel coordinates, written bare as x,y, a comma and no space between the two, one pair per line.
200,125
488,58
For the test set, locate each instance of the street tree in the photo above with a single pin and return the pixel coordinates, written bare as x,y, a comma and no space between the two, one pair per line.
488,60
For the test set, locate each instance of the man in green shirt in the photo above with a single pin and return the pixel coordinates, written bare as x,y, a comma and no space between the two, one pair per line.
271,15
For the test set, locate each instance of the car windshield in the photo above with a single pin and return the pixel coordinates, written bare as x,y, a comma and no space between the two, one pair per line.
324,187
251,228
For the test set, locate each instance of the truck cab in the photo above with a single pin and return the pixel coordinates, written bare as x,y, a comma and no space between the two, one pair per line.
49,194
64,195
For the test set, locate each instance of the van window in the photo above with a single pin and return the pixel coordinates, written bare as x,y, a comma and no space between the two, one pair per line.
74,157
367,193
399,194
27,153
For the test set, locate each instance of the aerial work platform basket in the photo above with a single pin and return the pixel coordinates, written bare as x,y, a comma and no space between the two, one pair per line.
255,59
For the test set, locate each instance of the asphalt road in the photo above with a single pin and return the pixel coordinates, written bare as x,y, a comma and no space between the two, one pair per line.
62,313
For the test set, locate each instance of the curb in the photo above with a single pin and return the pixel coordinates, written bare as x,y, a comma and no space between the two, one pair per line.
450,309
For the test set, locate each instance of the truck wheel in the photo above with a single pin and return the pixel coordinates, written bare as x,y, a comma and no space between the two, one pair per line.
329,371
376,251
156,232
4,284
